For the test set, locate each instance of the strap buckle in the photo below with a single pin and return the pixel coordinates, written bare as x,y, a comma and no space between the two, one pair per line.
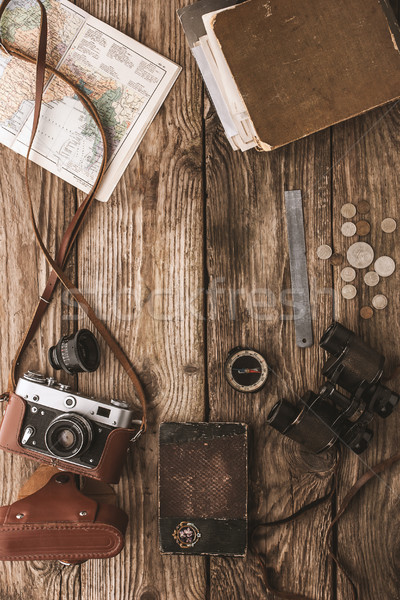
138,434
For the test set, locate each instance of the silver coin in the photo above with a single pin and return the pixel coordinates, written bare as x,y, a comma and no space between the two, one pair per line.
360,255
348,210
348,274
349,292
349,229
388,225
385,266
371,278
379,302
324,252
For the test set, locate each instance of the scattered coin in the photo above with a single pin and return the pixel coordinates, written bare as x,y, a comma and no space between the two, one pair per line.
336,259
388,225
324,252
348,274
371,278
348,210
385,266
363,228
349,229
379,302
349,292
363,207
366,312
360,255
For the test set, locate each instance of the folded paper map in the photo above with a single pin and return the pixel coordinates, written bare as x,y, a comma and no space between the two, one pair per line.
126,81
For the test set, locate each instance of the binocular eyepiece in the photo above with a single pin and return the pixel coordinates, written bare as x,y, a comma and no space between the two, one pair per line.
320,420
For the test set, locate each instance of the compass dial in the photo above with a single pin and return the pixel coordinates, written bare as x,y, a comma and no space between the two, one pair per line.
246,370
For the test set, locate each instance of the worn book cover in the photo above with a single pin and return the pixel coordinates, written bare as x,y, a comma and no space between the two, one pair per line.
303,66
203,488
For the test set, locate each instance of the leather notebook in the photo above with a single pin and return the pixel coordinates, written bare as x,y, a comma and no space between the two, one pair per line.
203,488
286,68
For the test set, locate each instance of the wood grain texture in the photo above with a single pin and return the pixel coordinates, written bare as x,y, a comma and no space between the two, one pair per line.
188,259
365,157
140,259
249,305
365,154
23,278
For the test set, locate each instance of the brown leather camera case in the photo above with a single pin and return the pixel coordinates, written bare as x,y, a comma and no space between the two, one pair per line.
58,522
112,460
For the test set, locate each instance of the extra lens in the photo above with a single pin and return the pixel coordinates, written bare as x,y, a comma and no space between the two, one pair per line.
77,353
68,435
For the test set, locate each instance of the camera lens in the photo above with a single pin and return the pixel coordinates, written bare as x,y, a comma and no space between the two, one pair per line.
76,353
68,435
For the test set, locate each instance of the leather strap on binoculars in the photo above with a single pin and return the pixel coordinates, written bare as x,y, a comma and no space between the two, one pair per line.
255,535
57,265
372,472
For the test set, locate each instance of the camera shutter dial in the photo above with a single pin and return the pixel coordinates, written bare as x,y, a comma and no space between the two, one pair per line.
35,376
119,403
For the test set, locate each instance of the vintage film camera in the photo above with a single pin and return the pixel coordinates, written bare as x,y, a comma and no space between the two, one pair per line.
65,425
324,418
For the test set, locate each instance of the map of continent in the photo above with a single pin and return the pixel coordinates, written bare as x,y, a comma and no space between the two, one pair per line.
112,70
20,29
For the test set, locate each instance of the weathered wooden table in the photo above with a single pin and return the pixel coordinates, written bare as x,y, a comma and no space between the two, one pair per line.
188,259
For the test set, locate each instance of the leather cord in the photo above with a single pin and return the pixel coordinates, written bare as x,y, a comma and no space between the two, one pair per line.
73,228
266,572
351,494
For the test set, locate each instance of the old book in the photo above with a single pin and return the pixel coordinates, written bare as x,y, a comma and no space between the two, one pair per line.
286,69
203,488
126,81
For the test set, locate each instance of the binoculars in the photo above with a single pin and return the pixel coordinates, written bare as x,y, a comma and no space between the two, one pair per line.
320,420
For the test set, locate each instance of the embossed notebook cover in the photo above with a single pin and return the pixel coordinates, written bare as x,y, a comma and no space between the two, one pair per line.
203,488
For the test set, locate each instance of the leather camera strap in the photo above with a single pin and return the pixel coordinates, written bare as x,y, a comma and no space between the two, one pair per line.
74,226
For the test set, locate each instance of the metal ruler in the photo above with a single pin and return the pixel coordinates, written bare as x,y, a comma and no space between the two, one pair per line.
298,269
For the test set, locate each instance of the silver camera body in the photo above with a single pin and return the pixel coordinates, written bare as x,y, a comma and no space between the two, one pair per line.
66,425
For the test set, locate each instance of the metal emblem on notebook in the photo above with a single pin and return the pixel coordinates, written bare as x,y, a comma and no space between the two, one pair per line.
186,534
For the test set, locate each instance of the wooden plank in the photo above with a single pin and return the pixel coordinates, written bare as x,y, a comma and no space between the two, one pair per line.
22,280
361,172
140,288
365,155
140,262
249,284
145,277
